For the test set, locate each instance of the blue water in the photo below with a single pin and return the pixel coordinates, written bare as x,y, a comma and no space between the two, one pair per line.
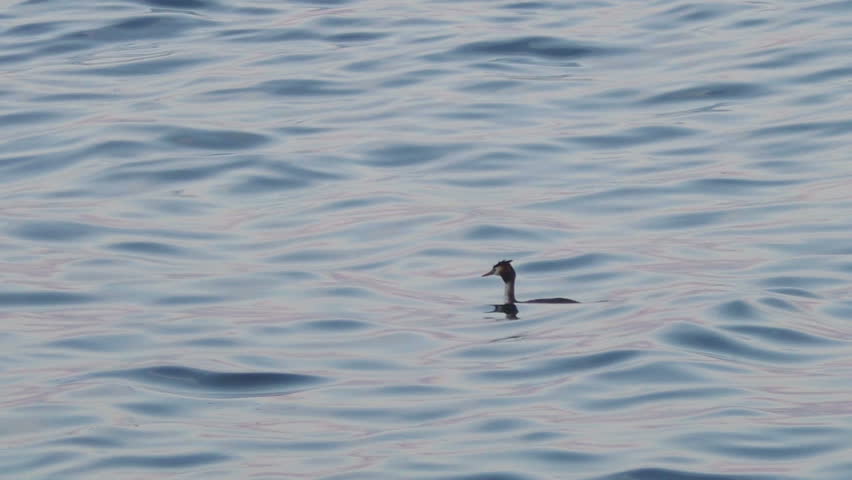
244,240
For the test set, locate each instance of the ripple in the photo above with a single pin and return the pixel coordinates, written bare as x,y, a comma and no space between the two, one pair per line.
680,15
634,137
685,220
708,218
155,462
702,339
783,336
557,457
354,37
215,139
537,46
35,28
667,396
764,444
795,292
798,282
783,58
528,5
560,366
491,475
406,155
260,184
142,67
265,36
178,379
826,75
56,231
778,303
827,129
728,186
12,120
668,474
18,167
148,248
90,441
497,351
43,299
294,88
324,2
580,261
656,372
184,4
491,86
101,343
410,390
713,92
32,463
333,326
500,425
145,27
189,299
165,172
841,6
491,232
738,309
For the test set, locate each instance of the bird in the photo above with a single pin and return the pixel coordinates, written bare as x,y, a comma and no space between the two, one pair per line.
504,269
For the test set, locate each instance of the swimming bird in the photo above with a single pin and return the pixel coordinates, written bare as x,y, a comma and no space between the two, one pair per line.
507,273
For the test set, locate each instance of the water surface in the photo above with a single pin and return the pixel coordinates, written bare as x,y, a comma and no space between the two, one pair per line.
245,239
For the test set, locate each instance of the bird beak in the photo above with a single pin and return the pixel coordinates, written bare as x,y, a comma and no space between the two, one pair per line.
492,272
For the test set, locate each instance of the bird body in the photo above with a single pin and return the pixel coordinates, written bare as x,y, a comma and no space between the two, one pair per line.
504,269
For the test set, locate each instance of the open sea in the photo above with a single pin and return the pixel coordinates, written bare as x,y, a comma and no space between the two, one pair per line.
244,239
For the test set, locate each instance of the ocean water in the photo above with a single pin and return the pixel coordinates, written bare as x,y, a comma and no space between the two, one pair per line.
245,240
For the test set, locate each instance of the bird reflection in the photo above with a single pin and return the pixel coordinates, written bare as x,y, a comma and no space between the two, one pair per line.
510,309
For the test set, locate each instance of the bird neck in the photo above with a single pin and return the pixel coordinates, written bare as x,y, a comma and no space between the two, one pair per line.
509,291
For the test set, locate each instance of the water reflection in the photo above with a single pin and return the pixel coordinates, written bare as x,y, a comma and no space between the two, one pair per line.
509,309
